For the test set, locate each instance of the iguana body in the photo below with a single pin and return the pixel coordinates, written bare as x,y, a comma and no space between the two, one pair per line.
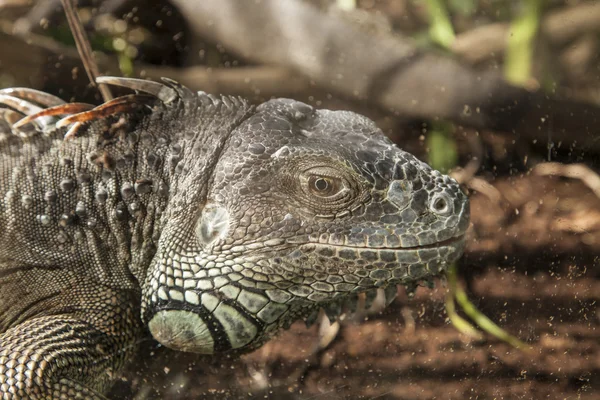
207,221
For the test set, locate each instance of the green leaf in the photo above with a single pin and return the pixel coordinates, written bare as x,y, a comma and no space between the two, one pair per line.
125,64
464,7
440,26
443,154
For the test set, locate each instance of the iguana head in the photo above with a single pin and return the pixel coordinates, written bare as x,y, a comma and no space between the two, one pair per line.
304,208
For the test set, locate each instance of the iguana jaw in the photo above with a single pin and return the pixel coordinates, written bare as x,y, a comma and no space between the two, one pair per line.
232,317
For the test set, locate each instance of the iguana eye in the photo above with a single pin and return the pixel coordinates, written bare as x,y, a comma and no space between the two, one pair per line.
325,191
324,186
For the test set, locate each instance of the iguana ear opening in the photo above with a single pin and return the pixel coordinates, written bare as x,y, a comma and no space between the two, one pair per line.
212,225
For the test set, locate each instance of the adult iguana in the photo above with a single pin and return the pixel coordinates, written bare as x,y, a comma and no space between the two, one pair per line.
207,221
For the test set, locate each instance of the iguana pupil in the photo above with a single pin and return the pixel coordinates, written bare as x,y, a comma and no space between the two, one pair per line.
324,186
321,184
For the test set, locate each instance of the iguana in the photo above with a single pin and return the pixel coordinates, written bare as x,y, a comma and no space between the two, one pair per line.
202,220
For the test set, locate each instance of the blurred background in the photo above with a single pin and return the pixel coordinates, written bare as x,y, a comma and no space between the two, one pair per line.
504,95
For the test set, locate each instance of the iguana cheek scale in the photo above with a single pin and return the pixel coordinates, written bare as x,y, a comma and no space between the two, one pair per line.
208,221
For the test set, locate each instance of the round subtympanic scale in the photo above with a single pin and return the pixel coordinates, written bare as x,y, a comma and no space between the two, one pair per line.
182,330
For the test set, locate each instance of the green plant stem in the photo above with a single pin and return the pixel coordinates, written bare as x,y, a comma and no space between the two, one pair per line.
486,324
520,47
440,27
443,154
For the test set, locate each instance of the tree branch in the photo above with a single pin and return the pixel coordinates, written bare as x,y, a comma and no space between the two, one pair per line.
388,71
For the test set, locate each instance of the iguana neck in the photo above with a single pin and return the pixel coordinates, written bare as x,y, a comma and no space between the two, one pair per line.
173,147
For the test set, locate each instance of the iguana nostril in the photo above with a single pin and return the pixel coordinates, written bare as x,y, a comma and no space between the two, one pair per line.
440,204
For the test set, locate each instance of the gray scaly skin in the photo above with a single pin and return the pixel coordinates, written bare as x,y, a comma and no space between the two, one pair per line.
205,220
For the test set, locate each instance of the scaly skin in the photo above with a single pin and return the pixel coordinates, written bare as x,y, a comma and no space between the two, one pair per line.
211,222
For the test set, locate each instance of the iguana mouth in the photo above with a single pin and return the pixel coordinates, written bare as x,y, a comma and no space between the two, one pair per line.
444,243
448,242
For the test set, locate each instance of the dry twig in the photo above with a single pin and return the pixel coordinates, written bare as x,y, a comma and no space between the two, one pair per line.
574,171
85,50
386,70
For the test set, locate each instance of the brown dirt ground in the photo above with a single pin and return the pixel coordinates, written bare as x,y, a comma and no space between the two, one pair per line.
530,266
